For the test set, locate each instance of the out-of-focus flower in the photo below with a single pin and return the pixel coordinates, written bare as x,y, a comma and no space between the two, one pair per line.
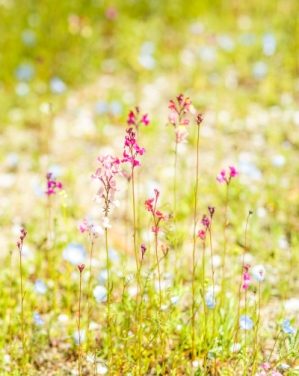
246,277
40,286
136,119
100,293
52,185
106,175
258,273
287,328
245,322
79,337
226,176
210,300
74,253
179,116
38,319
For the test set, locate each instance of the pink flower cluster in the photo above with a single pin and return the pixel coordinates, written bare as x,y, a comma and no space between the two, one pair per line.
246,277
135,119
151,207
131,149
206,222
93,230
52,185
178,116
106,174
225,177
266,371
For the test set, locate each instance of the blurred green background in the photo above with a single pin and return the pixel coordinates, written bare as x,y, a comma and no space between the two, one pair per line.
52,46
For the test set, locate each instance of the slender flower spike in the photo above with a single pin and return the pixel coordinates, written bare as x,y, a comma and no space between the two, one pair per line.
106,174
52,185
178,116
135,119
87,226
151,207
131,149
226,176
22,236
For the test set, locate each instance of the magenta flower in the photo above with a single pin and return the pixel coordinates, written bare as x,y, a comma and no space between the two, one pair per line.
143,250
201,234
106,174
52,185
131,149
158,216
246,277
135,119
225,177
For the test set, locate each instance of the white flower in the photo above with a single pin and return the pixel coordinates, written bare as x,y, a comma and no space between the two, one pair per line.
79,336
75,254
40,286
235,347
258,273
100,293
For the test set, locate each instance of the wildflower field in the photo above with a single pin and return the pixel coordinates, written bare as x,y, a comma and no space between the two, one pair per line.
149,187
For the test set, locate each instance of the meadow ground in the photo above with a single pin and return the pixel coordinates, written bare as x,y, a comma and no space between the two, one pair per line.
152,240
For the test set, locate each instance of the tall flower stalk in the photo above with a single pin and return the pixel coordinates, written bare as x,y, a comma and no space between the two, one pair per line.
93,232
106,175
179,109
198,123
225,177
20,243
80,268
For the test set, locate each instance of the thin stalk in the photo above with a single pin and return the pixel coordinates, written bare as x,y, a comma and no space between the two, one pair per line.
79,328
89,289
224,243
203,295
175,180
194,245
257,329
213,278
241,278
22,303
108,300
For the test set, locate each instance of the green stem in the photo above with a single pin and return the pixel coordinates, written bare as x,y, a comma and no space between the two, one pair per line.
194,246
108,300
79,328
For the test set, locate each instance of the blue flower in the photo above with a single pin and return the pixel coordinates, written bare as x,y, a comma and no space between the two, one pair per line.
40,286
210,300
38,319
25,72
100,293
246,323
287,328
57,86
75,254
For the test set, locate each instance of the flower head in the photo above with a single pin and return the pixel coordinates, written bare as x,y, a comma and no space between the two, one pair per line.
52,185
178,116
81,267
201,234
87,226
135,119
131,149
143,250
22,236
151,207
258,273
226,176
245,322
287,328
106,175
246,277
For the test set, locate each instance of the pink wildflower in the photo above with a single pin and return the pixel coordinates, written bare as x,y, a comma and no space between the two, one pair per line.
52,185
178,116
246,277
23,234
87,226
143,250
131,149
201,234
136,120
106,174
158,216
225,177
81,267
